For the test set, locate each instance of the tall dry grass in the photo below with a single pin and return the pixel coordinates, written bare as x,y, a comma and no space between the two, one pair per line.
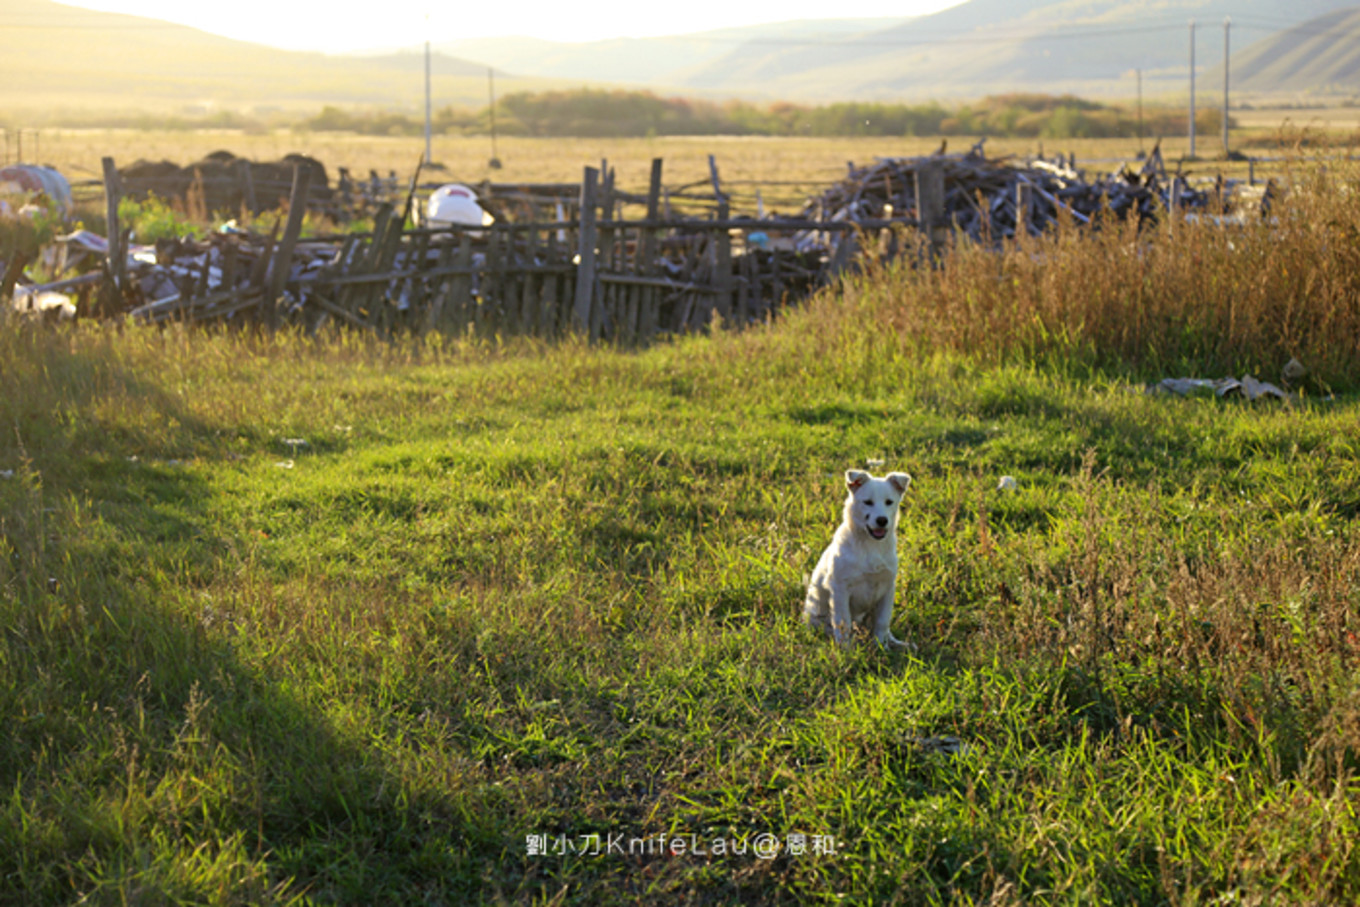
1189,295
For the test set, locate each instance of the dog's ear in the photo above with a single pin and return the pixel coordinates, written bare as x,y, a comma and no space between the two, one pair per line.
854,479
899,480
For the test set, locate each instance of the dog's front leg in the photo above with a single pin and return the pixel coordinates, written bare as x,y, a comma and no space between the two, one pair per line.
883,623
841,628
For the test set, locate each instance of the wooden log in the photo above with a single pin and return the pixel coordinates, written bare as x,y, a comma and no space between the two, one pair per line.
283,257
56,286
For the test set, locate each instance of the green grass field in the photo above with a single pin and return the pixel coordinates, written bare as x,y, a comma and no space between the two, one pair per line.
292,621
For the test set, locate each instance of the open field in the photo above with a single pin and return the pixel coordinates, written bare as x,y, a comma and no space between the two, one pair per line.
321,621
789,169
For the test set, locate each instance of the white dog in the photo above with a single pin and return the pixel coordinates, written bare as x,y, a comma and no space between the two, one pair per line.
855,580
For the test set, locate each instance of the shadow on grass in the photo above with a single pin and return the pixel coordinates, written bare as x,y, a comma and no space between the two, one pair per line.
144,759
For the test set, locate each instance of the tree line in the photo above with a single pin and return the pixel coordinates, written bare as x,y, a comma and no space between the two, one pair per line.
619,113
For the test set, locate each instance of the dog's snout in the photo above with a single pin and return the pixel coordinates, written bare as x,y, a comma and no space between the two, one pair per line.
882,521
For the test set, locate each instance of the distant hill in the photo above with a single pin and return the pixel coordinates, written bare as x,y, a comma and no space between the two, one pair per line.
1320,55
662,61
1087,47
60,58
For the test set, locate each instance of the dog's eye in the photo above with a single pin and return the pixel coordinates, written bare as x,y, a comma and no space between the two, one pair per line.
888,502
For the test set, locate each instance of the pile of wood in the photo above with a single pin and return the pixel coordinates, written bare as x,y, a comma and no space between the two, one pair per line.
562,258
225,185
996,198
388,281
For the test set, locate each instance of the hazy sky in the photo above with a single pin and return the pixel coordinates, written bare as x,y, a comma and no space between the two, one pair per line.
340,27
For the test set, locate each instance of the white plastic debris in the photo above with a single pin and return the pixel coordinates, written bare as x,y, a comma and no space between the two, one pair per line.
56,305
1007,483
1248,388
455,204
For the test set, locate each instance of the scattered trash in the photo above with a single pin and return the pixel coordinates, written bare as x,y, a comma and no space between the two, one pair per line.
455,204
35,180
874,464
6,473
1007,483
942,743
1248,388
284,464
44,303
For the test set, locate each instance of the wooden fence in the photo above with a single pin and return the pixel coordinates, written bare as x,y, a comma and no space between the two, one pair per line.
590,267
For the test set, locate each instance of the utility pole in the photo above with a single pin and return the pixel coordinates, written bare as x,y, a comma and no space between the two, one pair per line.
1192,88
495,162
428,156
1140,108
1227,24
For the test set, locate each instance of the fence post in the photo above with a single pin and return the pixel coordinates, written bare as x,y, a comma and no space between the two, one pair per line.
722,278
583,304
930,204
246,185
117,261
649,303
283,255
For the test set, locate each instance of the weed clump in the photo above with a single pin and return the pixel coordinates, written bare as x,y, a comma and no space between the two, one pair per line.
1202,296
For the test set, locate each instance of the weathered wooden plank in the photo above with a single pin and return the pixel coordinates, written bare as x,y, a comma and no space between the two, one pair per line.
116,266
283,256
460,290
930,203
440,289
722,266
583,303
658,283
341,313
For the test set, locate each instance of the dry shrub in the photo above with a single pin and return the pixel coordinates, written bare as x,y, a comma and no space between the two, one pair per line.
1189,295
1256,638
